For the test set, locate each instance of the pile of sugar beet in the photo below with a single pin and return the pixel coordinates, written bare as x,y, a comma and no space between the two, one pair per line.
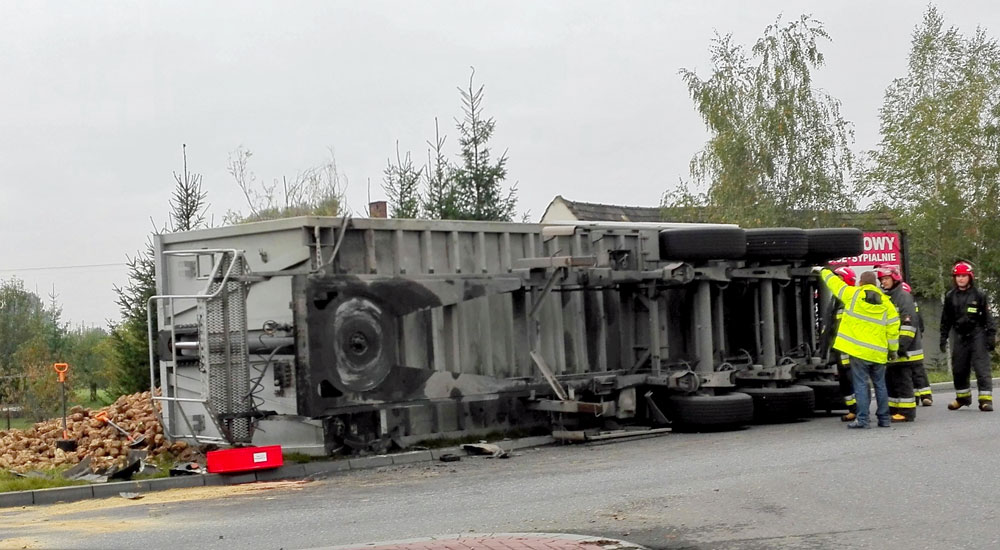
99,444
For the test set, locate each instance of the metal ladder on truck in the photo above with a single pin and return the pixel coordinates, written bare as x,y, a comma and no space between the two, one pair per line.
221,352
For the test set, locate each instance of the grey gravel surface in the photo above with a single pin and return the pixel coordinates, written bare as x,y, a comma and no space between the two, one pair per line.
930,484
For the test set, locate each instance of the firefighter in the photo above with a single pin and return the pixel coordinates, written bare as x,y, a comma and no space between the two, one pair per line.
921,384
846,274
869,334
966,319
899,373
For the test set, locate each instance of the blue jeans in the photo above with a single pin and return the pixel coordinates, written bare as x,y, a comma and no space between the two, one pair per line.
861,370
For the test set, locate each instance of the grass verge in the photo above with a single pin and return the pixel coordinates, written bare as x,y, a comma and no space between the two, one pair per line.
936,375
302,458
53,478
16,423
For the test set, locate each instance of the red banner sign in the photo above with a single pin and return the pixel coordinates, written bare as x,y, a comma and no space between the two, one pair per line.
881,249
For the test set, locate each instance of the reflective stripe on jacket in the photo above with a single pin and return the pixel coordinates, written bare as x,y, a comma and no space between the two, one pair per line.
845,360
868,331
965,312
910,332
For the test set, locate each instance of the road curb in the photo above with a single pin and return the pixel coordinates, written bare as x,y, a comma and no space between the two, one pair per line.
288,472
291,471
950,386
511,540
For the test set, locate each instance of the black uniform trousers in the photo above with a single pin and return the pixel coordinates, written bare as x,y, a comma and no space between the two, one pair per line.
899,381
921,384
968,354
846,384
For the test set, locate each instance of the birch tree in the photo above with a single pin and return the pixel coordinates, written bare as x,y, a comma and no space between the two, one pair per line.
779,149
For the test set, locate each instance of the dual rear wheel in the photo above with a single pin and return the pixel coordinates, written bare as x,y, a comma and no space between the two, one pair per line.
699,412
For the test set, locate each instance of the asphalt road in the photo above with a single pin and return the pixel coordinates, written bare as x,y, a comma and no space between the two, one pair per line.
931,484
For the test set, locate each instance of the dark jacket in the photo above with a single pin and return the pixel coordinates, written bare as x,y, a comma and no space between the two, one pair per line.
910,329
967,312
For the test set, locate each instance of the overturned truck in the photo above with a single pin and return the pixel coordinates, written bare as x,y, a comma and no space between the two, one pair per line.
340,335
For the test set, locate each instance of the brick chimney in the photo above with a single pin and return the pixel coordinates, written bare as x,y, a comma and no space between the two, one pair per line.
378,209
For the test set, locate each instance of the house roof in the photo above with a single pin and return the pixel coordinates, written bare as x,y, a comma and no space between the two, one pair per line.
592,211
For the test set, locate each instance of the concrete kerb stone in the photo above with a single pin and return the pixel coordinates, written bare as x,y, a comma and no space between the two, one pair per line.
523,443
214,480
437,453
237,479
507,445
177,482
367,462
950,386
411,457
63,494
525,540
942,386
17,498
292,471
103,490
329,467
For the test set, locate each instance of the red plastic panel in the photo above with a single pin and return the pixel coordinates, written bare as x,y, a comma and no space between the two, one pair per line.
242,459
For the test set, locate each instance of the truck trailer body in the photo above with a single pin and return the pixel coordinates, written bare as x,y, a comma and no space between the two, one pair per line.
358,335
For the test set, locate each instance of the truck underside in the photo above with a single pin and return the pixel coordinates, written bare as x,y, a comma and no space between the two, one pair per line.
339,335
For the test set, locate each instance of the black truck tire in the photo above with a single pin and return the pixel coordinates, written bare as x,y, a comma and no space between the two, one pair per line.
827,395
709,412
774,243
703,243
834,243
788,404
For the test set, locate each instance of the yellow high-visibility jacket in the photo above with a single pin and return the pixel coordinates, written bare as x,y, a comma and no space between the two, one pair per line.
868,331
844,359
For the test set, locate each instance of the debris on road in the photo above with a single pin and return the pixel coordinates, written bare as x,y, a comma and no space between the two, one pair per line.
602,435
487,449
186,469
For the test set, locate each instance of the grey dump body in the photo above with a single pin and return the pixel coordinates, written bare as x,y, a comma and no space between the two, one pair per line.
353,335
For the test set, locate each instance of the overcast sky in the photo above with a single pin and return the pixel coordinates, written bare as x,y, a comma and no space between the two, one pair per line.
96,99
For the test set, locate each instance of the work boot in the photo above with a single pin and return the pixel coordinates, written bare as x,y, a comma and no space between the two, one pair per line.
956,404
848,417
900,418
986,406
927,401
